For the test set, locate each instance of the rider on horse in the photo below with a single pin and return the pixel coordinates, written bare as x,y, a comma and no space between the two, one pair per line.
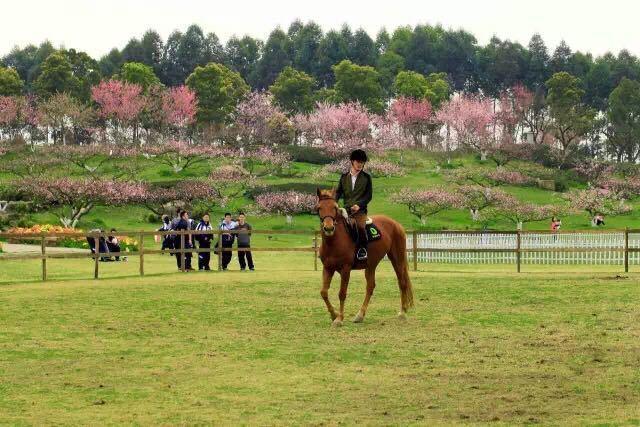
356,189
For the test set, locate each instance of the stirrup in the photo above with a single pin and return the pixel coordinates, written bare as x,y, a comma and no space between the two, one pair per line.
361,255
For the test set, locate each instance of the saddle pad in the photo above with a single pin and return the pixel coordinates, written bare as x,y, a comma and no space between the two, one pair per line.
373,232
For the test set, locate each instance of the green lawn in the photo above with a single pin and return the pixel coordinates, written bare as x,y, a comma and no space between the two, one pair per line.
555,345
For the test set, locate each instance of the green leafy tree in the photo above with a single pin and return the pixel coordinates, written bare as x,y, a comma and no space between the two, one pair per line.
623,117
305,42
538,68
502,65
56,76
293,91
242,55
434,88
86,70
383,40
363,51
571,118
152,49
333,49
10,82
358,83
388,66
275,57
456,56
140,74
219,90
110,63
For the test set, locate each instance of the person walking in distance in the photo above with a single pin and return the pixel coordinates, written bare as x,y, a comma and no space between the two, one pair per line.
244,242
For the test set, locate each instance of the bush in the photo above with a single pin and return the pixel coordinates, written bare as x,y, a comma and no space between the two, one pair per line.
304,154
561,184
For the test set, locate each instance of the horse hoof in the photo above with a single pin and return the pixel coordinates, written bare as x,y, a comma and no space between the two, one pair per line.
337,323
359,318
402,315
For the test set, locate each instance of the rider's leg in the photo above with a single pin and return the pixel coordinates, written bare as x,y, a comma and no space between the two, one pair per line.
361,219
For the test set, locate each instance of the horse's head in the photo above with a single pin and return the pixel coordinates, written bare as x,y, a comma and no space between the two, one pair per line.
327,208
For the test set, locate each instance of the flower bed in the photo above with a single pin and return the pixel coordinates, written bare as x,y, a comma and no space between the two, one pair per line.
127,244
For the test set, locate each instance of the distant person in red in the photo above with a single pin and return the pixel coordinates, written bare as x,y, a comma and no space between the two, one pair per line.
555,224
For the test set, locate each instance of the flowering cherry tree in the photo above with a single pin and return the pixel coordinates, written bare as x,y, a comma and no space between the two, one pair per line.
162,200
470,118
263,161
377,168
627,187
179,105
119,102
488,178
518,213
414,116
598,201
477,198
338,129
181,155
287,203
73,199
426,203
231,181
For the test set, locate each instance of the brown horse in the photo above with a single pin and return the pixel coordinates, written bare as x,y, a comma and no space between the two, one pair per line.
337,253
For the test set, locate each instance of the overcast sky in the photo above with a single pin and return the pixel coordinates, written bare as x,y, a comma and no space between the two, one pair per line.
96,27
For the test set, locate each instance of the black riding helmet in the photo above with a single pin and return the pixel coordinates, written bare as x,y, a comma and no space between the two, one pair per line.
358,155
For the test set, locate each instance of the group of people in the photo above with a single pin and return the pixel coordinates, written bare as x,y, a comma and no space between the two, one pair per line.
108,246
182,222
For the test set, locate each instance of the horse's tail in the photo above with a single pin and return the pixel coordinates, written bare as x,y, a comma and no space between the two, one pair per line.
398,257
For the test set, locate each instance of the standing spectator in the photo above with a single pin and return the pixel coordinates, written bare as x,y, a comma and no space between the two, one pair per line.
167,239
204,241
183,225
244,241
227,224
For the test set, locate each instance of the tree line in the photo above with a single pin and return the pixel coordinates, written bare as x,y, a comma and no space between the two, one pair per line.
425,49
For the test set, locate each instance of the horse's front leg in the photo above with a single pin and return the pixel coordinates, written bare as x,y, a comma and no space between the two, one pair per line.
327,275
344,284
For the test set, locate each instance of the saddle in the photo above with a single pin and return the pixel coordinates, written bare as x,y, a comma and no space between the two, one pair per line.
372,231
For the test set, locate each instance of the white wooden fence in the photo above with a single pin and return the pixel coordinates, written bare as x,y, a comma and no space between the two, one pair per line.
588,247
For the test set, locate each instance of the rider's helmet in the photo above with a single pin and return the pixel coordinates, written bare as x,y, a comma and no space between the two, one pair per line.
358,155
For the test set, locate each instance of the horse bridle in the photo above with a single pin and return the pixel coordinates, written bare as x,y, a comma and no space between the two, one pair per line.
335,207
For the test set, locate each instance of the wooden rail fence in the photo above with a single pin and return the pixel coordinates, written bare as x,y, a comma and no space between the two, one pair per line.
499,246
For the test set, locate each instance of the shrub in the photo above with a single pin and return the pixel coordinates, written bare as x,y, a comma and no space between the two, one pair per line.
304,154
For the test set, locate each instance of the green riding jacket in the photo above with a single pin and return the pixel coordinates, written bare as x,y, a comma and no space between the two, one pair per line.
359,195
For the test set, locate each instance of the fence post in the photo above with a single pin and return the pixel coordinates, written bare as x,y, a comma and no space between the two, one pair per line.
626,250
182,254
315,250
518,250
97,256
415,250
43,247
141,248
219,250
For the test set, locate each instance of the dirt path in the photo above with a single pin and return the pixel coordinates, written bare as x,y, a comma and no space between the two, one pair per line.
11,248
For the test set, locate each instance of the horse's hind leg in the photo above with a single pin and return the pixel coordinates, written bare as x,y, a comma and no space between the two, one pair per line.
344,284
327,275
370,275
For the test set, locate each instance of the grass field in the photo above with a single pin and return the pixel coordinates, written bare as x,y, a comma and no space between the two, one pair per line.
554,346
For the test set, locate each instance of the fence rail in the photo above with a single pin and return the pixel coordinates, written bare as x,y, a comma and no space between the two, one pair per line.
96,253
613,247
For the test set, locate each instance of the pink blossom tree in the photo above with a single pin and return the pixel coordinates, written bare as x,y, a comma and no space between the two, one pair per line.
470,118
121,103
415,117
186,193
179,105
477,198
338,129
181,155
263,161
259,123
67,117
376,167
287,203
597,201
488,178
627,187
17,114
231,181
519,213
426,203
72,199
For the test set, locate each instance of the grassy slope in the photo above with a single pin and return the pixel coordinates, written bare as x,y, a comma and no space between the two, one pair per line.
421,174
481,345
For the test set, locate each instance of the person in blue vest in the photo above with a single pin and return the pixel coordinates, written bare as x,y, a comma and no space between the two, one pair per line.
356,188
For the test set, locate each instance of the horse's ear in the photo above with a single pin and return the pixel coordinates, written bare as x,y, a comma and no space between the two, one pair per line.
334,192
318,191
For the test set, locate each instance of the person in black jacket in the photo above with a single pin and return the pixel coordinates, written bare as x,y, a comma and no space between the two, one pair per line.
204,241
182,225
356,188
